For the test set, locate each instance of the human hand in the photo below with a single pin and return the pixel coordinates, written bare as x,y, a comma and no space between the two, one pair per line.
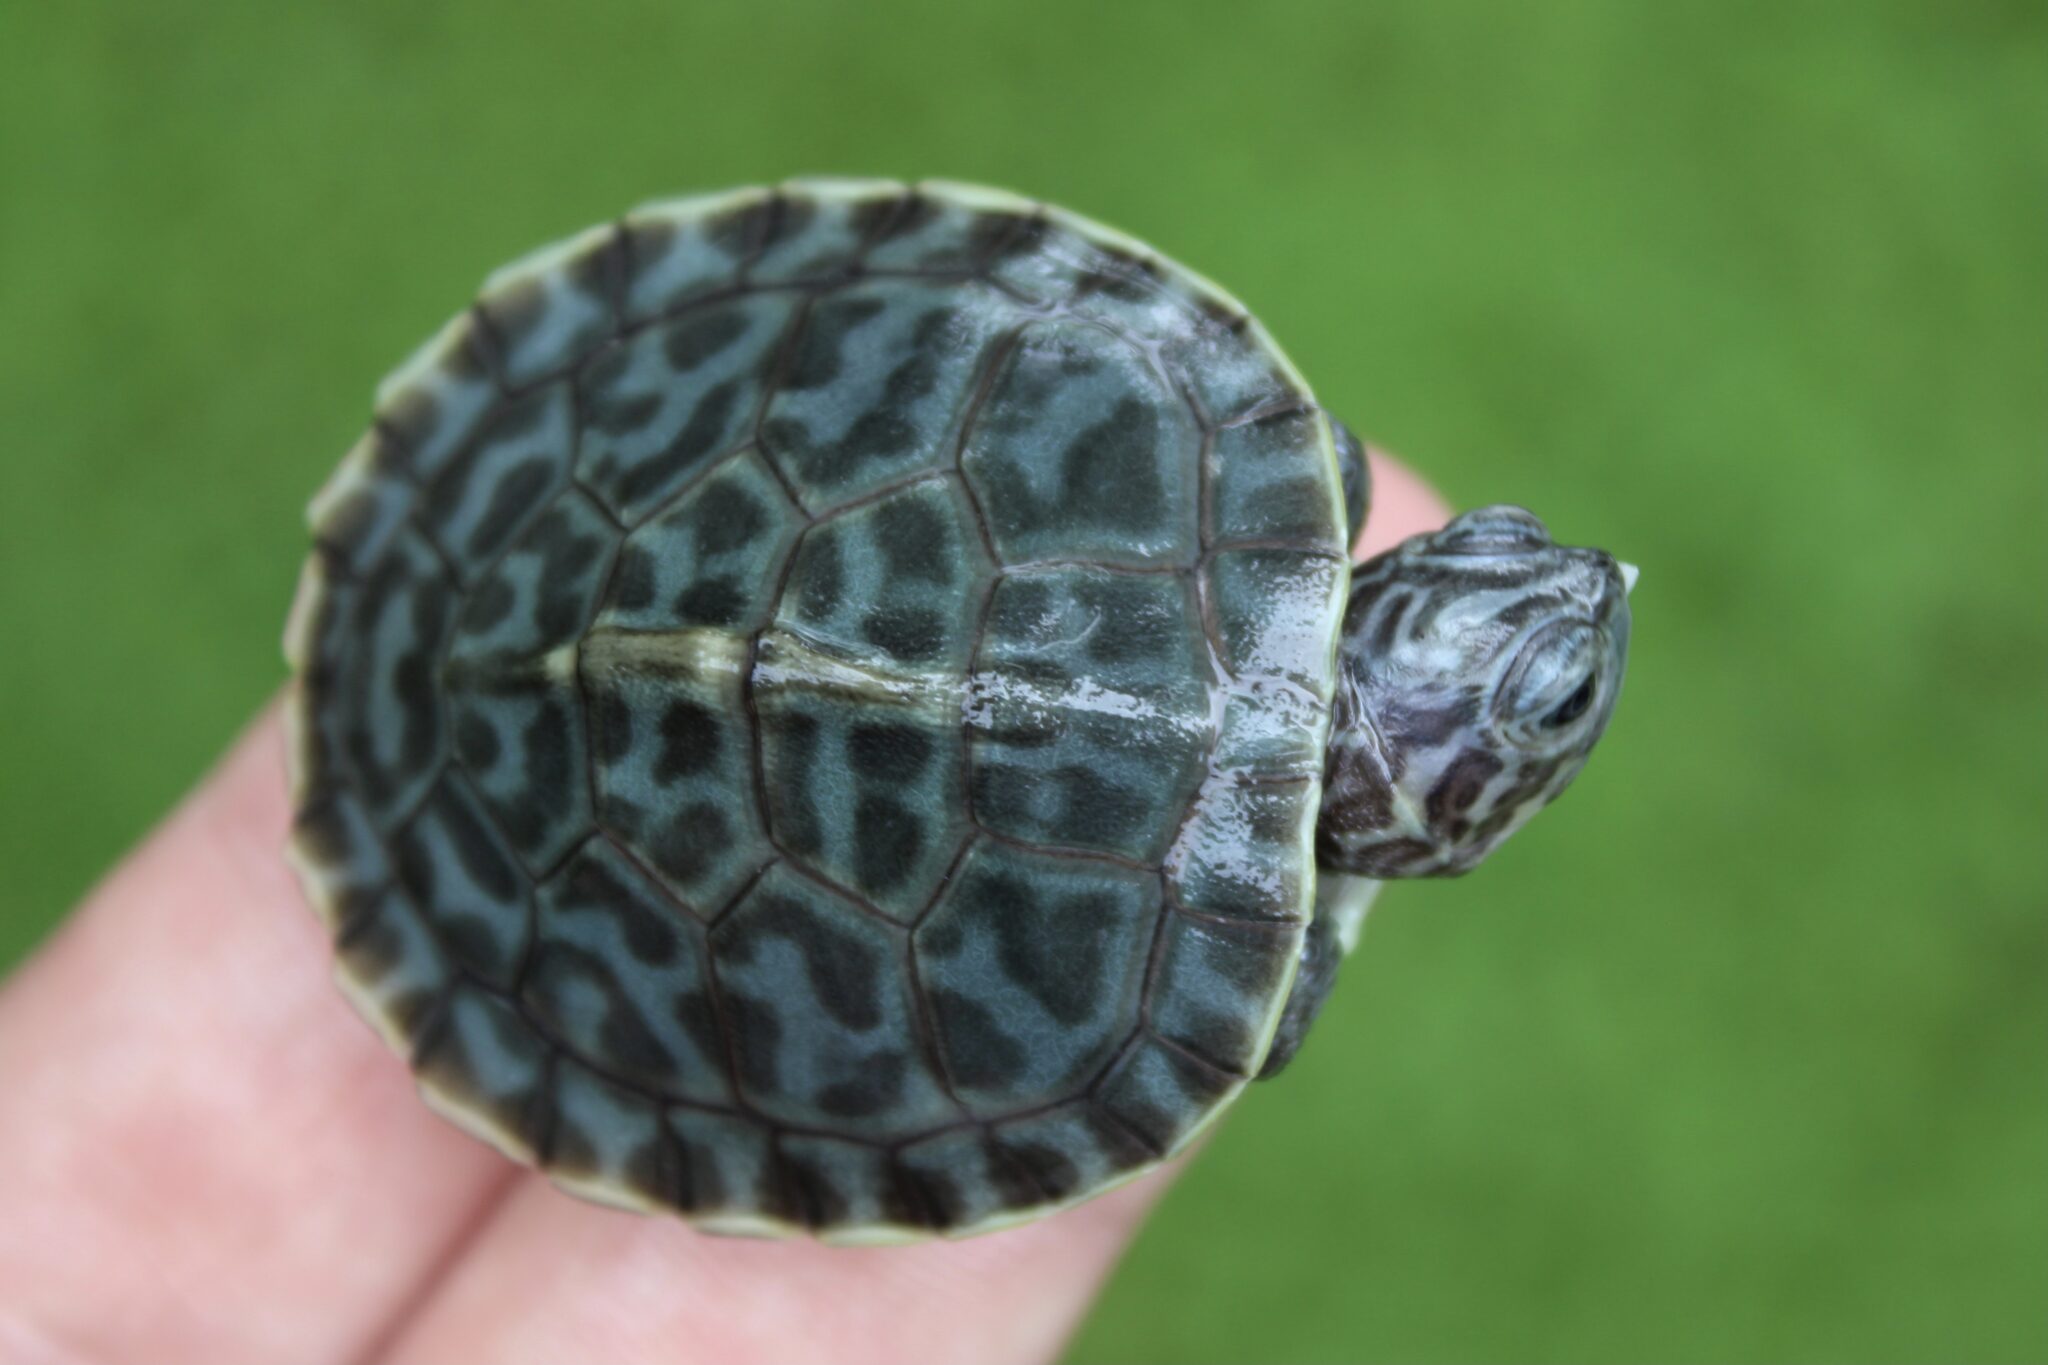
205,1156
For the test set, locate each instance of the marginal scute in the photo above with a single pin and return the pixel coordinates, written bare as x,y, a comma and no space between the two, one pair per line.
1073,1149
1273,480
821,228
964,1179
608,1142
731,1177
380,699
550,308
1220,987
483,1065
433,402
678,250
363,504
1241,852
944,228
391,967
850,1192
1162,1097
810,708
338,855
1277,612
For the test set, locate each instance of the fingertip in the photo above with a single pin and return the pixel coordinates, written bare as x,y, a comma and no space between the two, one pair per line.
1403,504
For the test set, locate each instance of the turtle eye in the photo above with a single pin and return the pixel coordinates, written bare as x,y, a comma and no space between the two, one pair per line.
1572,707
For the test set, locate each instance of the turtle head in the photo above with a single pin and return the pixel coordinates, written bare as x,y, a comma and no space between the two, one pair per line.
1478,666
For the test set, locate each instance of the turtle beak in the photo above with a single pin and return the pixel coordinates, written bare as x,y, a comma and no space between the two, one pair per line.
1629,573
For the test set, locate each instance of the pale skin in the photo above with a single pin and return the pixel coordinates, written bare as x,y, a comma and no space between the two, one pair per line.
206,1156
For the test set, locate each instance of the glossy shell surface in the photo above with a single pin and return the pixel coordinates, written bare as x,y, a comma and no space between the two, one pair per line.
810,707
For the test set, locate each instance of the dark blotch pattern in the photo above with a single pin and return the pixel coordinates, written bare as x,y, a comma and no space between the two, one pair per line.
684,612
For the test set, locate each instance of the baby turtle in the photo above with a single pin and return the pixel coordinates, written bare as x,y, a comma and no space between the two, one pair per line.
847,708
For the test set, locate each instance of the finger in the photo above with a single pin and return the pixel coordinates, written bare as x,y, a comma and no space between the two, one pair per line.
550,1279
193,1126
1402,504
554,1280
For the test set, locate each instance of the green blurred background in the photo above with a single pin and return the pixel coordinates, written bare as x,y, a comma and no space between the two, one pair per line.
1739,1055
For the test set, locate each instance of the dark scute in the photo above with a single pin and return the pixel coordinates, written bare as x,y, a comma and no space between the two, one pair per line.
711,602
489,605
650,1174
978,1053
912,634
871,218
1461,784
1093,808
727,518
630,1046
649,936
699,335
473,942
820,354
885,429
816,1194
1050,946
792,737
476,742
633,579
699,1018
1124,1147
613,731
547,746
603,408
1139,623
916,540
475,849
757,1041
689,843
783,218
875,1088
1050,1171
518,492
1020,608
1003,792
1111,469
819,575
894,754
844,971
701,1185
691,737
887,839
697,440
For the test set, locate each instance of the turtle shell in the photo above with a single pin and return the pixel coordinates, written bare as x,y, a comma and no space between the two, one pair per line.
810,707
